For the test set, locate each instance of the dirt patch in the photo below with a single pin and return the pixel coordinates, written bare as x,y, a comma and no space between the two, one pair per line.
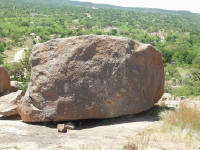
17,53
14,55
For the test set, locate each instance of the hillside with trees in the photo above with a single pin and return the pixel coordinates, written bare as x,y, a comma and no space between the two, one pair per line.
175,33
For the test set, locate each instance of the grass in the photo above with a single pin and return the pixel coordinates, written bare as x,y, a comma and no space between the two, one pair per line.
177,129
14,147
186,116
183,122
187,136
139,142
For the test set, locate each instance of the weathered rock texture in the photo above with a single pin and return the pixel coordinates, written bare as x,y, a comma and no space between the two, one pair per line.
4,81
8,103
91,77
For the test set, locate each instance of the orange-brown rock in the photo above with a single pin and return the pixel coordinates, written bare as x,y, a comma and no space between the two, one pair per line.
4,81
90,77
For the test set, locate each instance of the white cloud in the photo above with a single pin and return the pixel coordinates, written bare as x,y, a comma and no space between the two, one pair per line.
191,5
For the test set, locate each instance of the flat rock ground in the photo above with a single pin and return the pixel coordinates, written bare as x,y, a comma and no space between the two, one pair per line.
108,134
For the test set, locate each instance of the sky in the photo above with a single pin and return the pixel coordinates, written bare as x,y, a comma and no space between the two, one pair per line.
190,5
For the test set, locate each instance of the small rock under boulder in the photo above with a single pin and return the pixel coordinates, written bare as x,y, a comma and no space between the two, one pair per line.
4,81
62,128
70,126
8,103
91,77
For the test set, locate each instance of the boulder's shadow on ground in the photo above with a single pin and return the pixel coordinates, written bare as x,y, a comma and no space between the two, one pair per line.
149,116
10,118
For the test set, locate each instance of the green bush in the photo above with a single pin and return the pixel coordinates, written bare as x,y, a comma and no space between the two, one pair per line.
191,85
113,32
196,62
183,56
171,72
186,90
167,55
2,47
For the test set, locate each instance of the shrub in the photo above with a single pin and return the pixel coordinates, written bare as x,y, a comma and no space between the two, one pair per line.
2,56
196,62
183,56
16,71
167,55
187,90
191,85
113,32
171,72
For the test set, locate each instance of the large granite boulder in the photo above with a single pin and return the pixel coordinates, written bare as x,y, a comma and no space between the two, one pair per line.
4,81
90,77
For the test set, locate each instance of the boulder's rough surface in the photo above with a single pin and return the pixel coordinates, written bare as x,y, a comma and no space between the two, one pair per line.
89,77
4,81
8,103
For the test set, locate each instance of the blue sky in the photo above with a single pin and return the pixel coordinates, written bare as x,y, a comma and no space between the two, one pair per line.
191,5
